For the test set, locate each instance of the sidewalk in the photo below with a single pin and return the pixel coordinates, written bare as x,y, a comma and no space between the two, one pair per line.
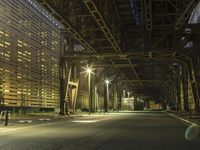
21,120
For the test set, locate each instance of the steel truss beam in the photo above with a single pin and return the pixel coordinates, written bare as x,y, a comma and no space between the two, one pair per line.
186,14
123,65
136,81
68,26
124,55
148,14
102,24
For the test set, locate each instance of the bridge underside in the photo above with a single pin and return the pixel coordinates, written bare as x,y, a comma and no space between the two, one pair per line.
147,49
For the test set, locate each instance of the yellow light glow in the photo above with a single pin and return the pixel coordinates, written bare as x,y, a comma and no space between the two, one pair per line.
7,43
19,52
19,60
25,44
19,77
7,55
1,32
19,45
6,91
19,41
1,45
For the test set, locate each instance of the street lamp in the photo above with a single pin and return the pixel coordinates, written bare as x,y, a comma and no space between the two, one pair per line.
107,93
88,71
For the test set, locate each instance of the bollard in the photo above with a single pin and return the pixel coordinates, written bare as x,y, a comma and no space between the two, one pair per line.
6,117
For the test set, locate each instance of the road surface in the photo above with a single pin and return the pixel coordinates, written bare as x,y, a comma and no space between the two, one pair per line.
120,131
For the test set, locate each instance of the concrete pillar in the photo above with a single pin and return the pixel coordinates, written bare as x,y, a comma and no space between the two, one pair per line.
105,99
93,92
178,94
119,96
115,99
185,88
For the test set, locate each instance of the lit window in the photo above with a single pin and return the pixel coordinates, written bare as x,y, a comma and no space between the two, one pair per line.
6,91
25,44
7,43
19,60
7,55
1,32
19,41
19,45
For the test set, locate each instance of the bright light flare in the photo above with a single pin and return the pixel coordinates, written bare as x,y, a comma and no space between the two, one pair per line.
88,70
107,81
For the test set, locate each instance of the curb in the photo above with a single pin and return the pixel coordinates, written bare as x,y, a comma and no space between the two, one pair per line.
183,121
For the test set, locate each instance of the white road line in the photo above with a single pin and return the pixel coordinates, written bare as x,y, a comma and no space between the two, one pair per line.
184,120
4,129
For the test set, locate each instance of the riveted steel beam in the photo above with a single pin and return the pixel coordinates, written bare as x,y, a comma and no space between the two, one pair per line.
102,24
137,81
67,25
186,14
148,14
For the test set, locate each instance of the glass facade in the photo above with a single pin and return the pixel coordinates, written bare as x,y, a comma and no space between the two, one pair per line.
29,56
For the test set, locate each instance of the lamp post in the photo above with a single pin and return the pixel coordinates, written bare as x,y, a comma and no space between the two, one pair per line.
107,94
88,70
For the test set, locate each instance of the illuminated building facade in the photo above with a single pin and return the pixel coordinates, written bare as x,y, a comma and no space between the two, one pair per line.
29,56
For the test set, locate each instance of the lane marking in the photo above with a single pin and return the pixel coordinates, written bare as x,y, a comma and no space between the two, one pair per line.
184,120
4,129
85,121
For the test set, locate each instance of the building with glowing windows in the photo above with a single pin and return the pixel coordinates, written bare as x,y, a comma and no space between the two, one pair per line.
29,56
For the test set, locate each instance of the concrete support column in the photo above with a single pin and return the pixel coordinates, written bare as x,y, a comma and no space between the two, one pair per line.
93,92
105,99
62,72
115,99
178,94
185,88
173,95
119,96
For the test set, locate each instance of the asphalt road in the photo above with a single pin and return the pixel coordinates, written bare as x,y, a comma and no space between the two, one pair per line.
122,131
